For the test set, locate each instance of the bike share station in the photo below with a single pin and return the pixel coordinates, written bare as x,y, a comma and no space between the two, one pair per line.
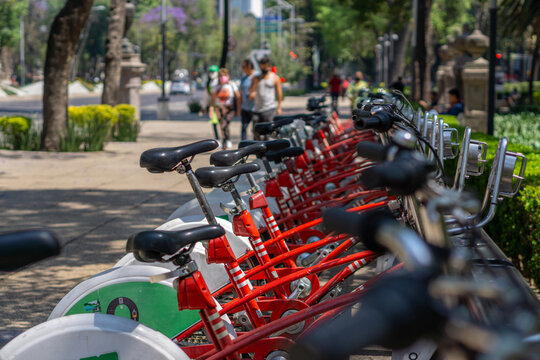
260,267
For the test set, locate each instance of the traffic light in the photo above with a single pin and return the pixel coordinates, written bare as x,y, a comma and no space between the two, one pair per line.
498,59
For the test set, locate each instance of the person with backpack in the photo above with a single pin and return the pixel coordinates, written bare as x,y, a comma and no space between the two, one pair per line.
226,103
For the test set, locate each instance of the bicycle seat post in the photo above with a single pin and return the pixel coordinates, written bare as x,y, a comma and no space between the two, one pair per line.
199,194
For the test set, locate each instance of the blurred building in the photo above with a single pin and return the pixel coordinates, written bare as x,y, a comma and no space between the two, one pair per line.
253,7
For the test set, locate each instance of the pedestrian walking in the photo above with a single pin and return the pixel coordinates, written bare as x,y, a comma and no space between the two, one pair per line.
225,103
266,91
211,84
355,87
345,86
335,90
247,104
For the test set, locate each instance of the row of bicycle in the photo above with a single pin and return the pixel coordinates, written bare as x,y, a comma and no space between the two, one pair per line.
256,268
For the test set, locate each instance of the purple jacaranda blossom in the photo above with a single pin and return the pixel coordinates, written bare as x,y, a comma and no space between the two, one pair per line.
40,5
178,14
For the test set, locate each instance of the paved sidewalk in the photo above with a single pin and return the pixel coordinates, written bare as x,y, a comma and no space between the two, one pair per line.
93,201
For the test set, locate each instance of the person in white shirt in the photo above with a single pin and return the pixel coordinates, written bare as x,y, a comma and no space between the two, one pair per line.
226,102
266,91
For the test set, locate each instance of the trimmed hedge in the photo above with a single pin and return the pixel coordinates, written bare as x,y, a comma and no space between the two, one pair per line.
126,128
90,126
17,133
516,226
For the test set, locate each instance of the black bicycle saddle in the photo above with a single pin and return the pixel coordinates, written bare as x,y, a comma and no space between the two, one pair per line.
214,176
265,128
150,246
278,156
231,157
160,160
271,145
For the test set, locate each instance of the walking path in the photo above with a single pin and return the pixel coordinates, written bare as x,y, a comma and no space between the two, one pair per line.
93,202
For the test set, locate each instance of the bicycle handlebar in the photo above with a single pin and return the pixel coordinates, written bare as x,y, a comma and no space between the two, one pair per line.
21,248
372,150
381,121
378,230
404,175
395,312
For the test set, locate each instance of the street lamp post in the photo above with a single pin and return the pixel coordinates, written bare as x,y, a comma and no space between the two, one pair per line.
163,101
492,59
22,60
393,39
378,50
387,44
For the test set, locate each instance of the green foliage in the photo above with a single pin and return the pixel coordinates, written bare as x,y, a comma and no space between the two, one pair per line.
88,127
449,15
516,226
522,86
294,92
530,108
17,133
10,12
523,128
194,106
126,128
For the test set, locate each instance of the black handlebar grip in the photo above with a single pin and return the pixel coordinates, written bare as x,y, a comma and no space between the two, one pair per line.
381,121
404,176
357,113
21,248
395,313
372,150
365,225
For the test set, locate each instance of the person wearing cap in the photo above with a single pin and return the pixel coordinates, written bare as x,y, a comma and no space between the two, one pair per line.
211,84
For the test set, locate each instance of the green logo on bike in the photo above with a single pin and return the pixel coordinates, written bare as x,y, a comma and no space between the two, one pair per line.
109,356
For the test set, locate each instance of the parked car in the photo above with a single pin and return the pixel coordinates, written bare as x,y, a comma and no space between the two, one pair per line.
180,87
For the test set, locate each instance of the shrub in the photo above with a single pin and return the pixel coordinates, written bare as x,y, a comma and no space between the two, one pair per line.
127,127
295,92
18,133
88,127
516,226
194,106
523,128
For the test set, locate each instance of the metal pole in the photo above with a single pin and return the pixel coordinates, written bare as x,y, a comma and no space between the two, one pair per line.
262,26
386,50
293,19
280,27
413,53
163,101
492,59
163,46
225,49
22,60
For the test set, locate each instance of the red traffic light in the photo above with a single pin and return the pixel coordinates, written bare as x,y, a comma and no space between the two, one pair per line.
498,56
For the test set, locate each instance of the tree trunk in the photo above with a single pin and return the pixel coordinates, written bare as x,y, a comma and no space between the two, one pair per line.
401,51
113,54
424,52
6,65
61,46
420,65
